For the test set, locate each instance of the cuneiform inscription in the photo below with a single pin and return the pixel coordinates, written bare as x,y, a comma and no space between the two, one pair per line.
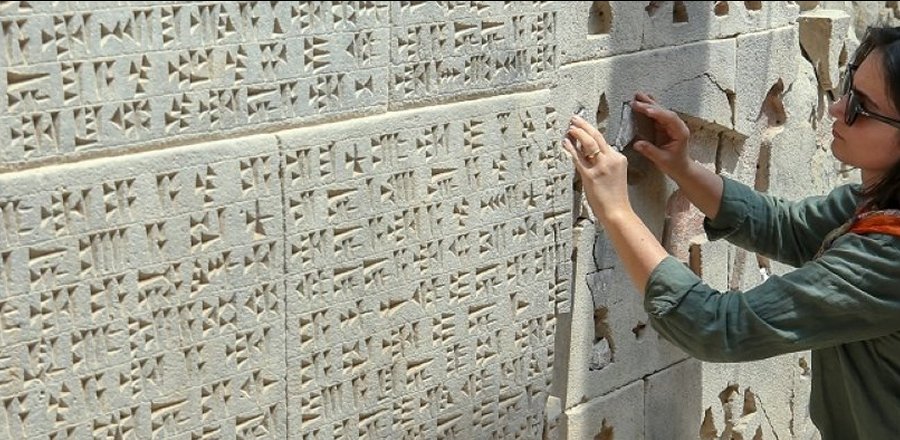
27,90
126,290
118,199
138,74
475,49
387,226
446,238
169,416
46,266
66,209
12,227
103,252
207,228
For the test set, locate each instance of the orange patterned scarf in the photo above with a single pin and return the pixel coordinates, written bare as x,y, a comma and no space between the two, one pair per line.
870,222
878,222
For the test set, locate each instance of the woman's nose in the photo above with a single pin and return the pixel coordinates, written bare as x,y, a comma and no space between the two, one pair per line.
836,109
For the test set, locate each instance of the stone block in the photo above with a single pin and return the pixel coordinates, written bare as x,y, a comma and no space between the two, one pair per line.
598,30
604,254
705,141
631,346
618,341
611,339
822,34
584,236
609,416
156,279
698,90
710,261
760,86
553,418
663,417
676,23
697,81
750,398
435,251
470,50
605,29
798,172
751,17
684,222
107,78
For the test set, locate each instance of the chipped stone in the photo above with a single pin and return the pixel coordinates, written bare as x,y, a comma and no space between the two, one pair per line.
822,35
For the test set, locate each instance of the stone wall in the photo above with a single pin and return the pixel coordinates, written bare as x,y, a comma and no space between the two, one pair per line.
317,220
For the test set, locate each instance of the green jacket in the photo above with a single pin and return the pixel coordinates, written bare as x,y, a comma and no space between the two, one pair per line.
843,305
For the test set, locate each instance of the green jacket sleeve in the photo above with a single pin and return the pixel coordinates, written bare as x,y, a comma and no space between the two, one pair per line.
789,232
847,294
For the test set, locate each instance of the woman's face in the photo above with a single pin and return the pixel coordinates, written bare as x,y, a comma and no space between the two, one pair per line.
871,145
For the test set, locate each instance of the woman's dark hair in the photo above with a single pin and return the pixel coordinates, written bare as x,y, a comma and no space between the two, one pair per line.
885,194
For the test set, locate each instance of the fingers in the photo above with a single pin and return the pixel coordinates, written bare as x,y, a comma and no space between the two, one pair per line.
594,136
667,119
588,143
644,97
577,158
650,109
649,150
646,104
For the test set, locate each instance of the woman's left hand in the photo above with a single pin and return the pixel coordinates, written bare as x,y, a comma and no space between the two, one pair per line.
603,170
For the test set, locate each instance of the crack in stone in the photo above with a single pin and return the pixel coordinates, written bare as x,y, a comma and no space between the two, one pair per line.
768,419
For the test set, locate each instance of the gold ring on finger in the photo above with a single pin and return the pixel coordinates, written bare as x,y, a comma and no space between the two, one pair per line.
592,155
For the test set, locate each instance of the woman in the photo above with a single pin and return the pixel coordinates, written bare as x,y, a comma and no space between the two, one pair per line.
843,300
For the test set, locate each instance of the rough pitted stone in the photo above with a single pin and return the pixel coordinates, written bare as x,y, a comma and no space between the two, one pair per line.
763,59
822,34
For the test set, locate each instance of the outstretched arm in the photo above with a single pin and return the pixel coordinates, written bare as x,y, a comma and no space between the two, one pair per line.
789,232
848,294
604,174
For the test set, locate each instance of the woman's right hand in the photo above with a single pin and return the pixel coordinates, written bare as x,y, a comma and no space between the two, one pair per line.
669,151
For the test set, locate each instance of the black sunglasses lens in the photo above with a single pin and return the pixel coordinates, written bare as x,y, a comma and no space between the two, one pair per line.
846,82
852,110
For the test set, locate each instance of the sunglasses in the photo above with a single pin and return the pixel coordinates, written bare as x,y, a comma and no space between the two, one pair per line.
854,106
